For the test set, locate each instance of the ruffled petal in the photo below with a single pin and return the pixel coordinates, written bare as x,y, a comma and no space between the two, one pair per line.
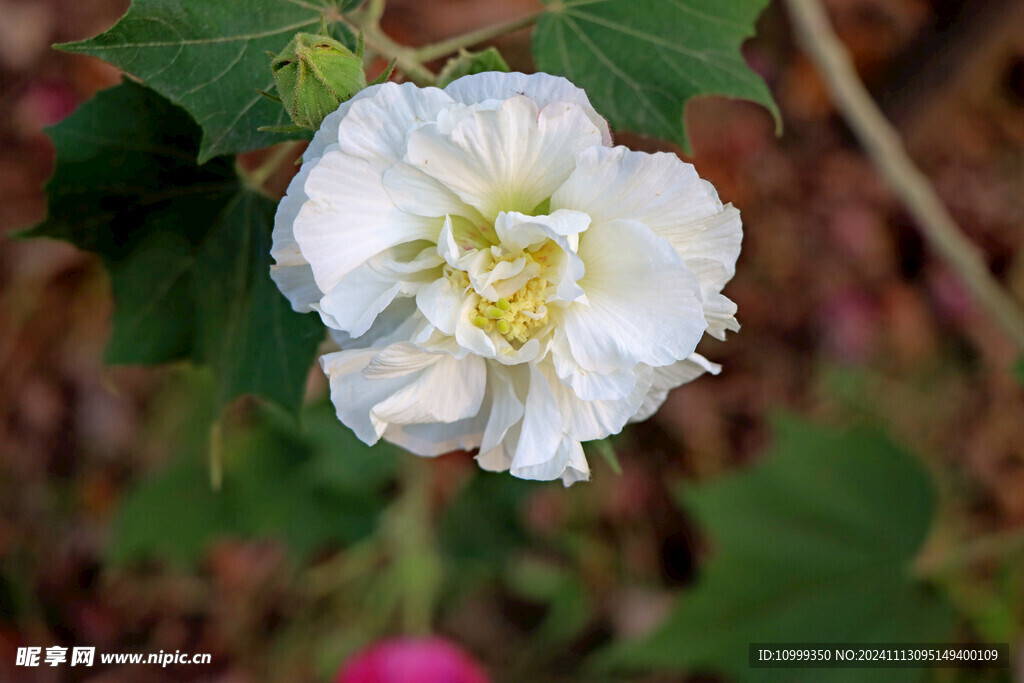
518,231
506,410
420,194
440,302
354,396
291,271
589,420
666,378
327,134
587,384
359,297
658,190
558,467
719,310
644,303
541,428
540,87
508,159
364,293
445,389
576,467
437,438
716,238
349,218
377,127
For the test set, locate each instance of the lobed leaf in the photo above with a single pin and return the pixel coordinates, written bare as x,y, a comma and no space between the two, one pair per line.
641,61
815,544
308,491
209,57
187,247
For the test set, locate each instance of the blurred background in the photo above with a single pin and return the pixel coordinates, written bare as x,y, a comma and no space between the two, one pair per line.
111,536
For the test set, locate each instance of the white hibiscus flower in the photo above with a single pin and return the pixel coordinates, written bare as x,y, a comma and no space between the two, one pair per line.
497,275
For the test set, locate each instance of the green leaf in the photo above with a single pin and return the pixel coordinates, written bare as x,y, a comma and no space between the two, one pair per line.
640,61
209,56
468,63
814,544
187,247
1018,369
274,486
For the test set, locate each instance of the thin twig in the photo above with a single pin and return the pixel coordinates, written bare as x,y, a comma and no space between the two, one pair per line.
887,151
376,39
429,53
405,57
286,151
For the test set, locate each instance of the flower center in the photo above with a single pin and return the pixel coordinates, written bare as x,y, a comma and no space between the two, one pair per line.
517,316
513,287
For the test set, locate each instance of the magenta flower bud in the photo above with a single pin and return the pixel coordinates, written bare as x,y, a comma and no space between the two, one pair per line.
412,660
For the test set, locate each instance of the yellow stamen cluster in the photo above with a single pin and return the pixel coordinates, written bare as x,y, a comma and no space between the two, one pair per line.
516,317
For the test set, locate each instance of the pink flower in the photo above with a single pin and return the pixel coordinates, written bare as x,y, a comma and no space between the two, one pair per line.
412,660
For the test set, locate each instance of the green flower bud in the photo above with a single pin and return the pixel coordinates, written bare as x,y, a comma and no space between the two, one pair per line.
314,74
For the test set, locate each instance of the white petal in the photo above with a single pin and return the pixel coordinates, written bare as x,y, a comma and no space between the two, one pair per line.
716,238
587,384
291,271
498,459
541,431
659,190
510,159
719,310
469,335
540,87
328,133
420,194
558,466
377,127
354,396
349,219
576,468
662,192
518,231
445,391
437,438
644,304
399,322
440,302
398,360
588,420
432,340
671,376
506,409
297,284
359,297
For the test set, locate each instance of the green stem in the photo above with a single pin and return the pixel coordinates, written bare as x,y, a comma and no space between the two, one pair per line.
217,454
429,53
405,57
886,150
374,13
417,562
258,176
